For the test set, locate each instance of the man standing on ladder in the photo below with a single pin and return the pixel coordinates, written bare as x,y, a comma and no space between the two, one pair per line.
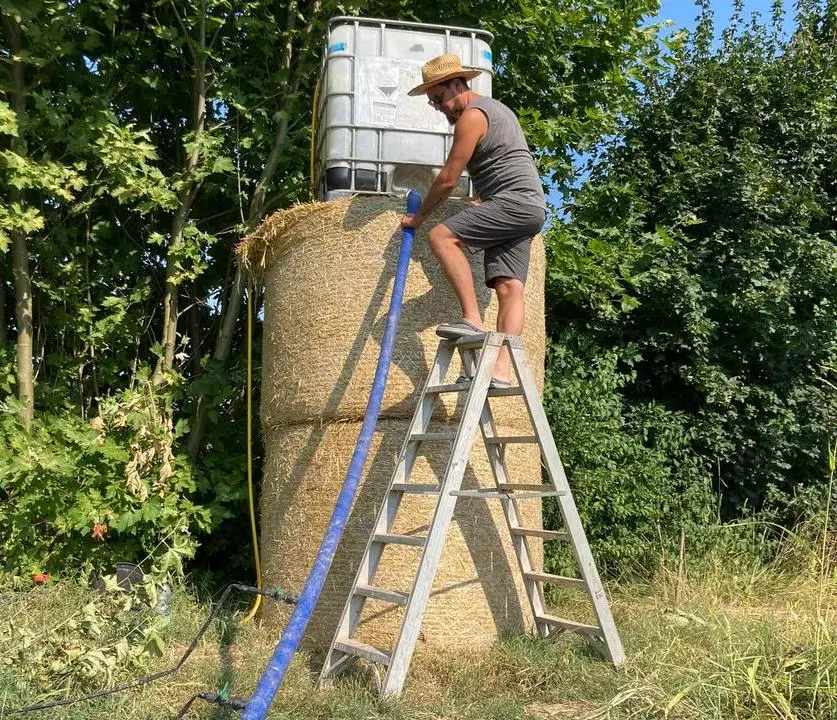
510,210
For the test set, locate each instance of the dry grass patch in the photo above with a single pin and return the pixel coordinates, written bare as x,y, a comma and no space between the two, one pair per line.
748,646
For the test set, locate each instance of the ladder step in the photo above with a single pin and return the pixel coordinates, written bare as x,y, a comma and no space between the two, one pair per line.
432,437
508,439
415,488
448,388
537,532
517,487
362,650
464,387
566,582
569,624
471,341
393,596
414,540
506,494
505,392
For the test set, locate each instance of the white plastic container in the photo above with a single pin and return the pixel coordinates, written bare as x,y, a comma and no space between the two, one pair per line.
371,136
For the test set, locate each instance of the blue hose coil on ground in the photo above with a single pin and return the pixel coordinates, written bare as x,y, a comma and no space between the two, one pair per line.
274,673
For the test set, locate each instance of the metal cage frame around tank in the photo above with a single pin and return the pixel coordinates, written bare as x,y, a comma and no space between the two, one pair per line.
381,182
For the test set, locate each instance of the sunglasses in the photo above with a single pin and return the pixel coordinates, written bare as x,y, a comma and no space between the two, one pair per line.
436,101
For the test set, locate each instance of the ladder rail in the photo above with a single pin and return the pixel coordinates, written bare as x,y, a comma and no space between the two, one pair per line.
511,512
452,480
566,503
385,518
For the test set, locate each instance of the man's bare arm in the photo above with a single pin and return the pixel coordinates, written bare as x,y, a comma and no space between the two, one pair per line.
470,129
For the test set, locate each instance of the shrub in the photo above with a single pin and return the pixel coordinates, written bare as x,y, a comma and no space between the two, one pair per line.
84,494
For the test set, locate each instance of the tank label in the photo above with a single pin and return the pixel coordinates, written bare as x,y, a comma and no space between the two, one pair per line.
381,100
336,48
486,55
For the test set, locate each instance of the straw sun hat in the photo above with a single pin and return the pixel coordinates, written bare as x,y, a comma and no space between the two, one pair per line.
440,69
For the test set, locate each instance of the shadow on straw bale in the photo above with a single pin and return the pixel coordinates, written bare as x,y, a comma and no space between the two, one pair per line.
328,270
477,594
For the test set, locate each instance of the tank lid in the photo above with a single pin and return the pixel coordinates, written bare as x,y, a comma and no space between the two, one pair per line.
348,19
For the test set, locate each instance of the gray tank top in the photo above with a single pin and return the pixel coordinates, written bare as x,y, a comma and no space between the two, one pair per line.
502,165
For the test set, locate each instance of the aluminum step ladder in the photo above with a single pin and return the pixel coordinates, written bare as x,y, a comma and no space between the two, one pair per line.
479,355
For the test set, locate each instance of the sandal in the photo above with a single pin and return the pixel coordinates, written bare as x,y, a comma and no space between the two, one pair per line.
495,384
460,329
499,384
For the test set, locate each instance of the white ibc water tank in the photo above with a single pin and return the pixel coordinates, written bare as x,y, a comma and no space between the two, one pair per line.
371,136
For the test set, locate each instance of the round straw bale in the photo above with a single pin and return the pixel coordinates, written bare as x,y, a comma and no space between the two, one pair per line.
477,595
328,270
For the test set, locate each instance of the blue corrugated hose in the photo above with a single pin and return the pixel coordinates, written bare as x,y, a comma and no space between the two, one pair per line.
274,673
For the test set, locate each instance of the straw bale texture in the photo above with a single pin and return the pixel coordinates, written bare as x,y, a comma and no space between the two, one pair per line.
477,594
328,270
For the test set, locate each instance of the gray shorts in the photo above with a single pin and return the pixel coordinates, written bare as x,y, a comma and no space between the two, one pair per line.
502,229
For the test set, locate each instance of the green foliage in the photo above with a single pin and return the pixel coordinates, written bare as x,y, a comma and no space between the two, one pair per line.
698,264
634,476
691,295
8,120
567,69
86,494
751,641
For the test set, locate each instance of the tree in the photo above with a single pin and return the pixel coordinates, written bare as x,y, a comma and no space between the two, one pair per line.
18,219
703,252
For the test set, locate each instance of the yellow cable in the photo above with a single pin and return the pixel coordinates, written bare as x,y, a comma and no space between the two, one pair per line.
314,125
258,601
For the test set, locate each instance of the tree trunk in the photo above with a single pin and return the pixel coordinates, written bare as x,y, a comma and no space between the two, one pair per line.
23,313
185,200
20,250
232,308
2,312
194,334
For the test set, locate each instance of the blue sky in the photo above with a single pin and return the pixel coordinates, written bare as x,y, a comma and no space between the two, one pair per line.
684,12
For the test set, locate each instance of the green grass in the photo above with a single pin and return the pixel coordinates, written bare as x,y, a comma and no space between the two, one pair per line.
732,639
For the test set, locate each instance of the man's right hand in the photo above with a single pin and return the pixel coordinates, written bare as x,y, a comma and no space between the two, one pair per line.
410,221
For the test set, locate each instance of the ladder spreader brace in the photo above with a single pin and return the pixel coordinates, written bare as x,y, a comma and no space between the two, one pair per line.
479,355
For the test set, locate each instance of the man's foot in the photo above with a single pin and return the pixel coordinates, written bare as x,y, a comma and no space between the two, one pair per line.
460,329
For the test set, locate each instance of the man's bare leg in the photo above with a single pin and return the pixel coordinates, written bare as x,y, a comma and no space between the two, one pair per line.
450,253
510,317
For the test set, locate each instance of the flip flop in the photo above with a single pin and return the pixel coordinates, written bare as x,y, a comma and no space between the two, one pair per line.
460,329
495,384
